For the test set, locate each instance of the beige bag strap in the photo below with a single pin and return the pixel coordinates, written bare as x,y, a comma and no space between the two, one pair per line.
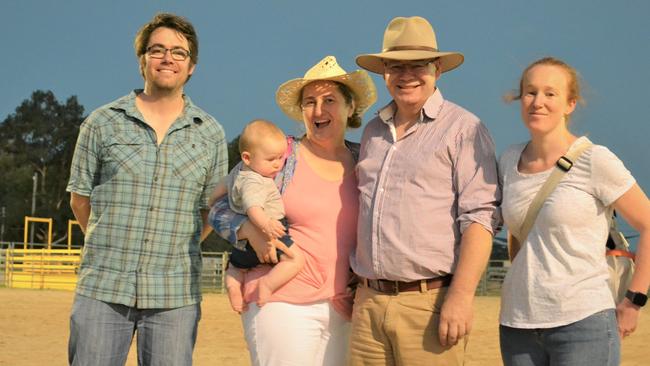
563,165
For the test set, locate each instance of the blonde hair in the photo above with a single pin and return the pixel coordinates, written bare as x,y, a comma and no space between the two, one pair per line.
257,132
573,83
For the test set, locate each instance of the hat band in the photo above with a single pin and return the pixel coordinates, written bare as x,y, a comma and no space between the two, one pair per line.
411,48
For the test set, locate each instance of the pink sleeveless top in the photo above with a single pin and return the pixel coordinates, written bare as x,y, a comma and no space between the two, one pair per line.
322,219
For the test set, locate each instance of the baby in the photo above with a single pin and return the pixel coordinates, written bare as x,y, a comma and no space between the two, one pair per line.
252,191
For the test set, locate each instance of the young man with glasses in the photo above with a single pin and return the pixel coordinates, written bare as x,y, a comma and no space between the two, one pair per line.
427,212
141,175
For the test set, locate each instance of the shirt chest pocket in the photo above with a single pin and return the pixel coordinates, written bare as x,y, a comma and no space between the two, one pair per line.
123,155
191,160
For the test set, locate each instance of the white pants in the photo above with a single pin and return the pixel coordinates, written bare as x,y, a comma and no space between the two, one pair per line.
282,334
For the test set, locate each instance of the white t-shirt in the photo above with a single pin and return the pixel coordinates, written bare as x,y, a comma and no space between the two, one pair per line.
560,274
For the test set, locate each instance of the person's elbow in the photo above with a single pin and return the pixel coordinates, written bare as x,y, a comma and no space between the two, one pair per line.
79,202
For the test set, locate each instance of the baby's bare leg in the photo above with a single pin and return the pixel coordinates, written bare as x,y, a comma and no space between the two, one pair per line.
281,273
234,281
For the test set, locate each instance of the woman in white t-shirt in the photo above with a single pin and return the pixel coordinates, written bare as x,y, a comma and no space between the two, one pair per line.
556,307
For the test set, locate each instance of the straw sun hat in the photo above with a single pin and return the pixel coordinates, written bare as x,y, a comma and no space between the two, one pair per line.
408,39
358,81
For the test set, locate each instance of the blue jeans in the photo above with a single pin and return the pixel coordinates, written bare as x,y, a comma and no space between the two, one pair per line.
101,333
592,341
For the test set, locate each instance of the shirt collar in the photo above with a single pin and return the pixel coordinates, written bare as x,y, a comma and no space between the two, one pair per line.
127,104
429,111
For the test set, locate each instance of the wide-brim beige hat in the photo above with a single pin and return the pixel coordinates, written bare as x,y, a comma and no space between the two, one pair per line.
359,81
409,39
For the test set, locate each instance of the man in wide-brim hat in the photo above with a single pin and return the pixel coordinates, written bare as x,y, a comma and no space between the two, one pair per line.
427,213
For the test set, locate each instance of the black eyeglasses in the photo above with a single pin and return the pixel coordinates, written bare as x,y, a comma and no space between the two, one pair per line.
178,53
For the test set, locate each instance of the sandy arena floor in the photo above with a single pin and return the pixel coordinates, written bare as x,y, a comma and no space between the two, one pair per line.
34,332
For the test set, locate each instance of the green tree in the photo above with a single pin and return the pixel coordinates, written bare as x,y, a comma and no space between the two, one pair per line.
38,138
233,153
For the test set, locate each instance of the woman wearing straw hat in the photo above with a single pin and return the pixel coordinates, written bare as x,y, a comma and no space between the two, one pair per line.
306,322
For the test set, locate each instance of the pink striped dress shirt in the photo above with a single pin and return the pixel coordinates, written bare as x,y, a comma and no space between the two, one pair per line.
419,193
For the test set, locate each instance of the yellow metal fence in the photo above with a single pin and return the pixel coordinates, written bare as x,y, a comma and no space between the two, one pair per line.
58,268
42,268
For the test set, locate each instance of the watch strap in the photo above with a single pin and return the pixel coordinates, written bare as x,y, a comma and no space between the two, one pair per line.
636,298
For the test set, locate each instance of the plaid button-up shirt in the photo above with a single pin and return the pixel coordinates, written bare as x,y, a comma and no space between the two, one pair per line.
142,240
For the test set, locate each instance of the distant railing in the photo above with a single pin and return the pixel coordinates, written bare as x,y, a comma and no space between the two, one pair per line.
41,268
214,271
58,268
493,277
38,268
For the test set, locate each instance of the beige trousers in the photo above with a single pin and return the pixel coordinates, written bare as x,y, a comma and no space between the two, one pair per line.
400,330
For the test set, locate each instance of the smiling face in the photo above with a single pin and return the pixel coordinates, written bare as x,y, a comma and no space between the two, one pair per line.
545,101
325,111
166,74
411,83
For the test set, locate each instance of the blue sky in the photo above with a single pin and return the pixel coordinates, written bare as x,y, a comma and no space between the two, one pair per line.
248,48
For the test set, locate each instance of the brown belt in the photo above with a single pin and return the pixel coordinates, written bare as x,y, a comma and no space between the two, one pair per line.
395,287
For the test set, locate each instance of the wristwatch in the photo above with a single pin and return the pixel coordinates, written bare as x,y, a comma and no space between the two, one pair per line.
636,298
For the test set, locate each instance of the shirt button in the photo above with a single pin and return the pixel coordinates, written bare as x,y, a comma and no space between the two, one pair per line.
151,208
155,179
394,148
146,240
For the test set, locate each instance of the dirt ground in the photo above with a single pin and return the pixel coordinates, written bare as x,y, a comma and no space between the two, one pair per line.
34,332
